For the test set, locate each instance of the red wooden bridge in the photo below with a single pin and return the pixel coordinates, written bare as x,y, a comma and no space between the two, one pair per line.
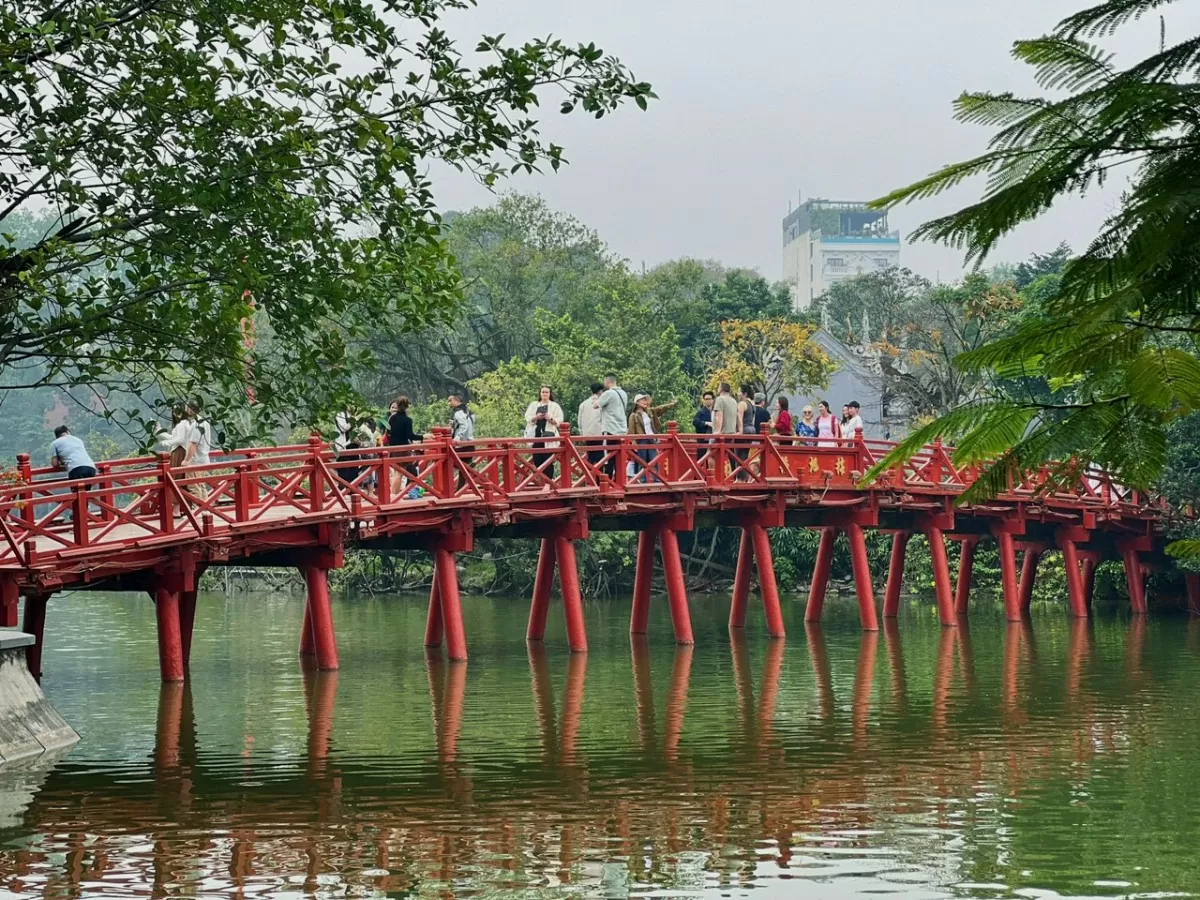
139,524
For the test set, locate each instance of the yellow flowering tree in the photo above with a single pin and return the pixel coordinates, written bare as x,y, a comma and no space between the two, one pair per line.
773,356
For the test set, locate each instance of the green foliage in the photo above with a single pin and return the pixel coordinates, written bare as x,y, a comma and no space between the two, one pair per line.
1116,342
175,173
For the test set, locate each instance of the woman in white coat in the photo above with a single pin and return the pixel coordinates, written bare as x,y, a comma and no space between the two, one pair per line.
542,418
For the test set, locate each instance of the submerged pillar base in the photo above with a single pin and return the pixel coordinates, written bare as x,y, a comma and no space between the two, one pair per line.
29,725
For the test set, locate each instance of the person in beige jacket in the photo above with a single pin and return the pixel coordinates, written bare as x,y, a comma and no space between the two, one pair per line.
542,418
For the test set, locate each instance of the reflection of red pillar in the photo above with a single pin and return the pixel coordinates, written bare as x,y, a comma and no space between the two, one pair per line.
452,620
766,580
681,617
1008,576
643,579
568,578
170,648
942,677
966,569
35,624
821,671
543,698
187,619
452,710
572,706
741,582
941,576
895,655
307,647
1135,580
433,619
864,677
768,697
1012,663
321,693
321,617
740,657
820,578
1078,651
677,700
169,725
895,582
862,577
1029,566
542,585
643,691
1134,645
1075,586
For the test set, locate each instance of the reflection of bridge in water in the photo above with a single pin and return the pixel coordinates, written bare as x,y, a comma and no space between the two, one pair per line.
141,525
871,748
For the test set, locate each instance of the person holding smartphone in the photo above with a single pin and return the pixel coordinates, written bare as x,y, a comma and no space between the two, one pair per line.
542,418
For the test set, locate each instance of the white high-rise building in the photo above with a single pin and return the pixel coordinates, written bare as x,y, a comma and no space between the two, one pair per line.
825,241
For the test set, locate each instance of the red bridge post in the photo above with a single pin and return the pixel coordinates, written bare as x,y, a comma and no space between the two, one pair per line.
862,576
35,624
1029,564
447,588
1135,578
966,570
895,580
542,586
643,579
170,643
433,621
741,582
941,576
681,617
766,580
187,620
820,578
10,596
568,577
1008,574
320,617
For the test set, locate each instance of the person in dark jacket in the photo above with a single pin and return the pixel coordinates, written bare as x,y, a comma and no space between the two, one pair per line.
401,434
702,421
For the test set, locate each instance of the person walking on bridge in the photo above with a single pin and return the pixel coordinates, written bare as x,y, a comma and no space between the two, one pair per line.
542,418
613,422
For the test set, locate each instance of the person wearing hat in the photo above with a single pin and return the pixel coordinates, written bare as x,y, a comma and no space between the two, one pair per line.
644,420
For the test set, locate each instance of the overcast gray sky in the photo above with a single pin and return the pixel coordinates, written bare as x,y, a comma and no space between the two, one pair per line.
761,100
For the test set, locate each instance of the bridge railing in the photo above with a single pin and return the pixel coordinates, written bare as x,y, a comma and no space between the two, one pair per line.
144,502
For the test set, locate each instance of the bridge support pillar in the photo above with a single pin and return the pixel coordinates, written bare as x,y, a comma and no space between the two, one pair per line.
307,647
568,576
895,581
187,619
643,579
941,576
741,582
446,577
1135,579
170,644
1029,564
433,620
1090,561
820,578
542,586
755,548
681,617
10,595
35,624
1008,576
320,617
862,577
1075,586
966,570
766,580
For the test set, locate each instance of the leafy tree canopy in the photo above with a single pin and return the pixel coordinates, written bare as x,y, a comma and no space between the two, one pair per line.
1116,342
772,356
200,171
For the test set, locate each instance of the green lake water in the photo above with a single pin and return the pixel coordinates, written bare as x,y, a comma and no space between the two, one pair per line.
1051,759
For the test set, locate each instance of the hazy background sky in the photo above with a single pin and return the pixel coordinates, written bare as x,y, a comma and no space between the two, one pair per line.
761,100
